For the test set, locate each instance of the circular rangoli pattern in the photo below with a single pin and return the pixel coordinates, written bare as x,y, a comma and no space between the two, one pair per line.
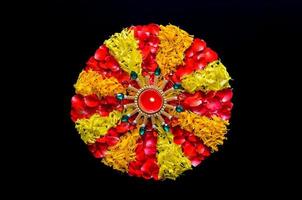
153,101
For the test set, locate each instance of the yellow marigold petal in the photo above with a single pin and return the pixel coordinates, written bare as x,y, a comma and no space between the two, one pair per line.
210,130
96,126
109,87
173,43
91,82
124,47
213,77
86,82
171,160
120,155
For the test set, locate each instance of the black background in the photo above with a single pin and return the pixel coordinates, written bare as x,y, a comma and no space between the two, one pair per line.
256,40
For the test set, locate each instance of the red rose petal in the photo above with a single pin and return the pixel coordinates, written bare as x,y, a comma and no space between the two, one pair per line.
147,166
200,110
102,110
91,100
103,66
112,132
210,55
122,127
100,152
179,140
189,149
134,172
146,29
101,140
111,140
92,63
199,65
146,176
135,164
192,138
183,96
189,53
152,67
183,71
131,170
206,153
177,131
74,115
224,114
196,161
140,145
100,53
198,45
92,148
77,102
199,57
192,101
210,94
155,176
213,105
225,95
145,51
228,105
150,142
189,63
142,35
200,148
111,100
150,151
154,28
140,155
113,66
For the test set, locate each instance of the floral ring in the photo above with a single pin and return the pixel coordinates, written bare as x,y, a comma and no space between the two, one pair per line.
152,102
